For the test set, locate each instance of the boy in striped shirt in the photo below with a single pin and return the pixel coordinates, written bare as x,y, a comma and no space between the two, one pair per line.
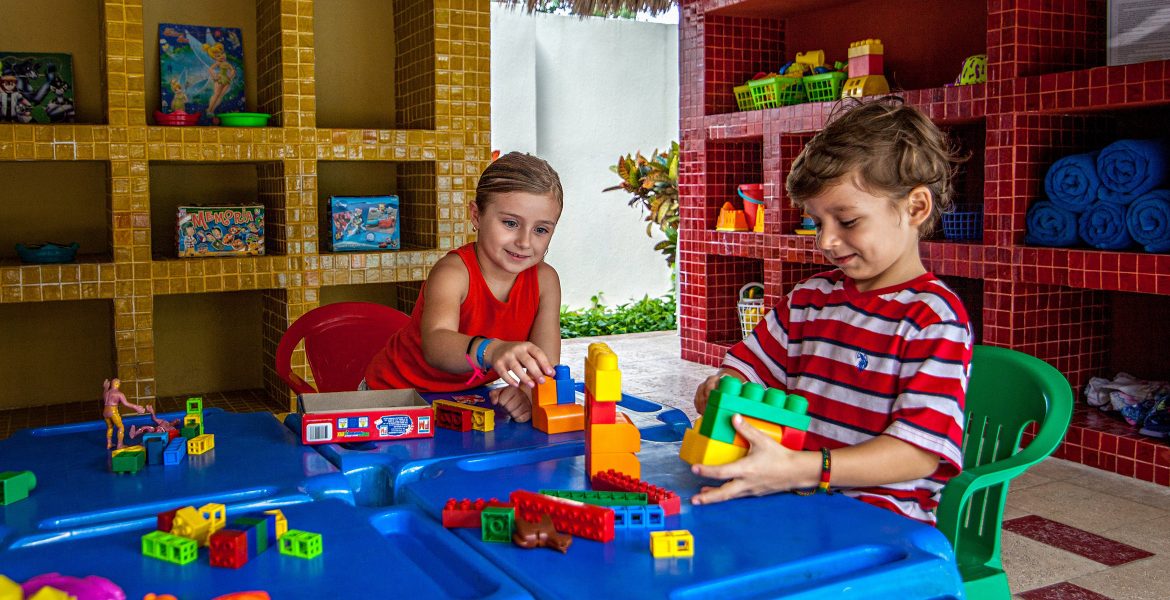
879,347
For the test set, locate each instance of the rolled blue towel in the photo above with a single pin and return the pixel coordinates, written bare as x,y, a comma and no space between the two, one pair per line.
1148,220
1072,182
1103,226
1051,225
1130,168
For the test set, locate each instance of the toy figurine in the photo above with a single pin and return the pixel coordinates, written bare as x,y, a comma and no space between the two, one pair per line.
160,425
111,398
541,534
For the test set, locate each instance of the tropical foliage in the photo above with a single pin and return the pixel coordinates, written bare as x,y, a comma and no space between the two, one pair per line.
653,182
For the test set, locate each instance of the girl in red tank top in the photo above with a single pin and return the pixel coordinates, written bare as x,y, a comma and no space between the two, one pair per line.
490,309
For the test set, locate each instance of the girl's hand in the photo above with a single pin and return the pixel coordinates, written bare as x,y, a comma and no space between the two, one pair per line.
524,359
513,400
767,468
704,391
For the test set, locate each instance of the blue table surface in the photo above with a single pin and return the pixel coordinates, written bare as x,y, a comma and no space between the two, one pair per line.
256,462
368,553
378,470
779,545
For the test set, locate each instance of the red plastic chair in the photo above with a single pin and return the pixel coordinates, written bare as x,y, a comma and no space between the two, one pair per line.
340,339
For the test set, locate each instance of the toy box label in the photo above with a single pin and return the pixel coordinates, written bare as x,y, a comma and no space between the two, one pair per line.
220,230
395,426
363,223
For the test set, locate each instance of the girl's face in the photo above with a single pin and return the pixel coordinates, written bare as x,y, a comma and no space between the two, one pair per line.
873,241
514,230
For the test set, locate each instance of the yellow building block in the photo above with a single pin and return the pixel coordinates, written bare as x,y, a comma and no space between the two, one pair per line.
216,516
698,449
482,417
672,543
128,449
602,377
559,418
192,419
190,524
281,521
201,443
622,462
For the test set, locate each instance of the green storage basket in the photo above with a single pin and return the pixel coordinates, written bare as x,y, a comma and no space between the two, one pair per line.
743,97
825,87
777,91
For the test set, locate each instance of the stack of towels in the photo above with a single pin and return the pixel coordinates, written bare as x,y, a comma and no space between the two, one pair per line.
1108,199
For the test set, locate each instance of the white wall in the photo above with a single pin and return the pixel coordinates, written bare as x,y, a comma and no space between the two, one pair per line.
579,93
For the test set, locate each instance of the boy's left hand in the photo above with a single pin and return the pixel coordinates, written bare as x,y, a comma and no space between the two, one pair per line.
767,468
513,400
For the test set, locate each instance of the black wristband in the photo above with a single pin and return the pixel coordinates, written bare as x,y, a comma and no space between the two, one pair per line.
471,343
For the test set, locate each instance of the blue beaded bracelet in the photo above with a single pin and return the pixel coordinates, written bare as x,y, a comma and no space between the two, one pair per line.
479,351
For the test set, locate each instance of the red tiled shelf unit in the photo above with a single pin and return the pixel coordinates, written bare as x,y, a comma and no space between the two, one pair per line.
1048,94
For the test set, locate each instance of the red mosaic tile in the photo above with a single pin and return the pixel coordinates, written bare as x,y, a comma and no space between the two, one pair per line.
1062,591
1078,541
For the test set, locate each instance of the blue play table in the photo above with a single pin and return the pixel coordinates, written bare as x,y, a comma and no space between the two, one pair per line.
377,470
783,545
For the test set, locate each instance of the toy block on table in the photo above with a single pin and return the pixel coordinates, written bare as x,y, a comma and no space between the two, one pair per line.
229,549
622,462
620,436
166,520
170,548
566,387
175,452
302,544
575,518
456,418
600,498
15,486
130,459
195,405
479,418
602,378
155,444
215,514
280,520
466,512
496,524
620,482
672,544
558,418
601,413
638,517
201,443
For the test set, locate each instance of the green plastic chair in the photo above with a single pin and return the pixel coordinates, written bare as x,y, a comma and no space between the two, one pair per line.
1008,391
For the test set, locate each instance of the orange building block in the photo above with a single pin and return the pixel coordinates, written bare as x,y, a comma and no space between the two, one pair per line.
622,462
622,436
545,394
788,437
558,418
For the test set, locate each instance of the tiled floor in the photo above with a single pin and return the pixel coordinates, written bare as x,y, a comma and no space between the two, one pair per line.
1071,531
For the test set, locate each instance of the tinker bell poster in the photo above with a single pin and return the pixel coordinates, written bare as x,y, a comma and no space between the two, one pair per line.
201,69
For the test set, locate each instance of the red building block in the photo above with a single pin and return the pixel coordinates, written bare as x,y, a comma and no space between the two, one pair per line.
166,520
466,512
612,481
568,516
449,417
229,549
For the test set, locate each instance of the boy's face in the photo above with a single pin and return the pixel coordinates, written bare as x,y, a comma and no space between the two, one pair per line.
515,230
870,240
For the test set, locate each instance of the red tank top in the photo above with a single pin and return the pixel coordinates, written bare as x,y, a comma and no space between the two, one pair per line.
401,364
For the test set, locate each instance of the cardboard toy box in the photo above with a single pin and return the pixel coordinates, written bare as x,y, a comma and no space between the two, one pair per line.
362,223
368,416
220,230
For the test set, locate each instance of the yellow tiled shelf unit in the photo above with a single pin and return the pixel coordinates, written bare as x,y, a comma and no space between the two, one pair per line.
367,97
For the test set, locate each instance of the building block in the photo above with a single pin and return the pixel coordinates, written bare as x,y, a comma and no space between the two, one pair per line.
574,518
544,394
466,512
497,523
601,413
175,452
166,520
558,418
619,482
154,443
188,523
698,449
481,418
195,405
190,432
170,548
615,437
789,437
752,400
261,532
302,544
215,514
622,462
451,417
130,459
229,549
280,521
672,544
566,387
600,498
602,377
638,517
15,486
10,590
201,443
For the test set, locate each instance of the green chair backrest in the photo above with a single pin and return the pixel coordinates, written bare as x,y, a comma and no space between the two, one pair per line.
1008,391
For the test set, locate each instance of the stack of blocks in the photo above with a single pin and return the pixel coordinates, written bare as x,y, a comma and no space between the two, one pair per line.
554,404
231,543
463,417
714,441
166,448
611,440
865,70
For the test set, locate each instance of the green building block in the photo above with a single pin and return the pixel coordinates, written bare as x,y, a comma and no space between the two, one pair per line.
128,462
192,432
195,405
169,547
601,498
751,400
496,524
15,485
261,525
302,544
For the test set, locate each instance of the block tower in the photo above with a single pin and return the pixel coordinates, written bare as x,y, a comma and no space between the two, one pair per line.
554,407
611,440
714,441
865,70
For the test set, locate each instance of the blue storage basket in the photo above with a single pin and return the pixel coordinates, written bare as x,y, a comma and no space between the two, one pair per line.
963,226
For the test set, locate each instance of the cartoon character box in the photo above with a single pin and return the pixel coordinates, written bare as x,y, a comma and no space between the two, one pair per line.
358,223
367,416
220,230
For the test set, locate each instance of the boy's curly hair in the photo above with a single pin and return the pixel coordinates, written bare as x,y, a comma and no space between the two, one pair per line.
518,172
892,148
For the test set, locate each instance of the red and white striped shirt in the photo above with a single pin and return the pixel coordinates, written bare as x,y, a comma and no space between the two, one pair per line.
892,361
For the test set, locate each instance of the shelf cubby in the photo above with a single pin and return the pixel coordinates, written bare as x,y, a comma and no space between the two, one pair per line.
208,342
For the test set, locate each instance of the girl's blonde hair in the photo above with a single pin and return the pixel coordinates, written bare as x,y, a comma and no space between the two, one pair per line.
518,172
890,147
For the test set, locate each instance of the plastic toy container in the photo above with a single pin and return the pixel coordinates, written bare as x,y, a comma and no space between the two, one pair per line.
750,306
825,87
963,226
777,91
243,119
47,253
743,97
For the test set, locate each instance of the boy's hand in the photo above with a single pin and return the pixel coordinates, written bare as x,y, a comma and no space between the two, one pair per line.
513,400
524,359
767,468
704,391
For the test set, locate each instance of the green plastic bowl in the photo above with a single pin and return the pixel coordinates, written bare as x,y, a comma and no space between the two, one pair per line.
242,119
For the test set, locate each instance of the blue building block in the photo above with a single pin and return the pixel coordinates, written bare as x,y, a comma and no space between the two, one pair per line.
650,516
566,389
175,452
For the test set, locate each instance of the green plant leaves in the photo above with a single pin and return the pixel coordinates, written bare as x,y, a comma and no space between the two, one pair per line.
647,314
653,182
